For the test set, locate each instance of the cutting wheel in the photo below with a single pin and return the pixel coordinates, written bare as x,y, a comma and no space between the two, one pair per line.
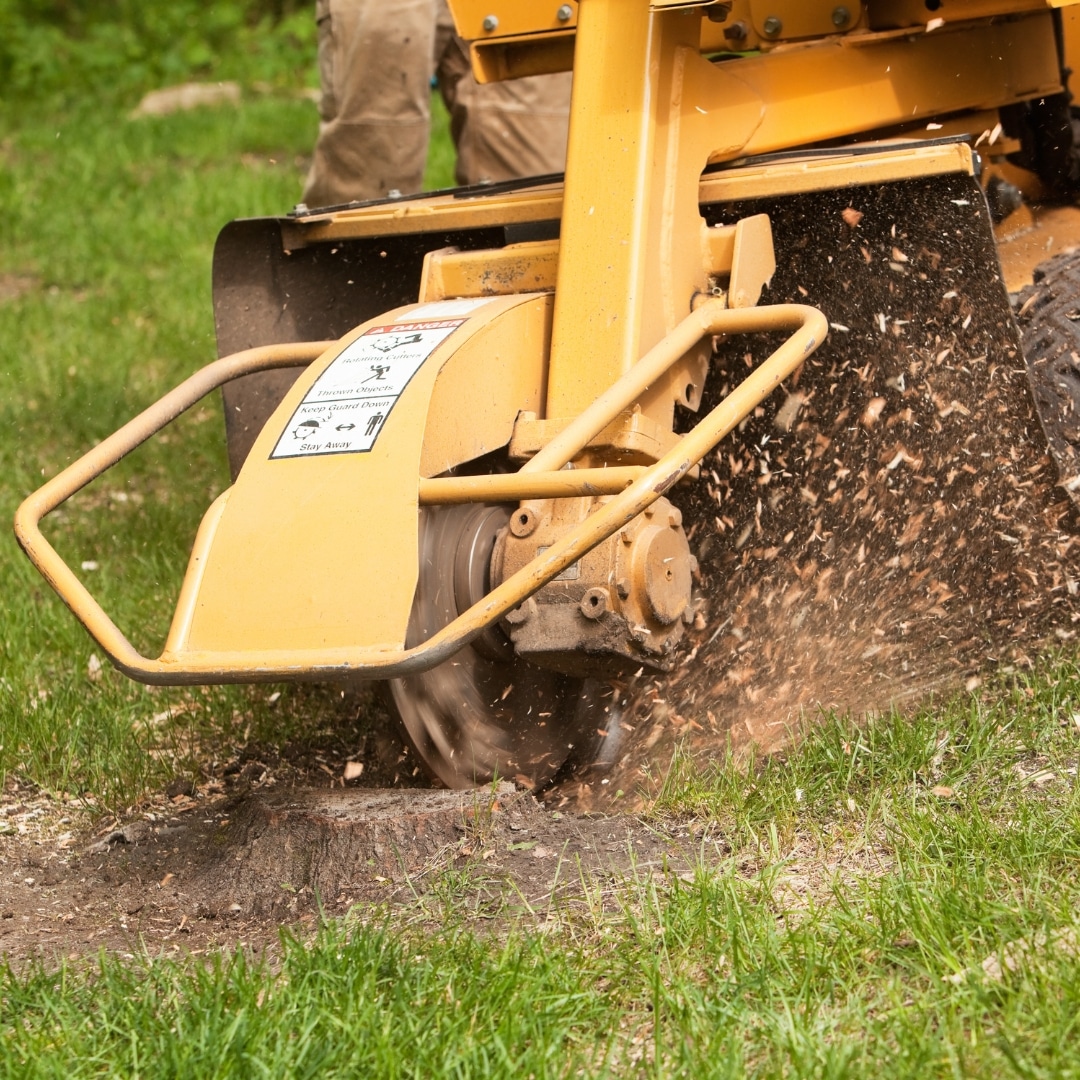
1050,321
485,713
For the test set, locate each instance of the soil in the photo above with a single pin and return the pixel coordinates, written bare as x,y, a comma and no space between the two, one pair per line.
888,527
211,868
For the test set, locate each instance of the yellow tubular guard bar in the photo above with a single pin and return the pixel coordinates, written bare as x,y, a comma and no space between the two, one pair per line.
542,476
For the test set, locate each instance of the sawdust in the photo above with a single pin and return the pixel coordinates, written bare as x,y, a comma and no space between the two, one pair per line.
900,534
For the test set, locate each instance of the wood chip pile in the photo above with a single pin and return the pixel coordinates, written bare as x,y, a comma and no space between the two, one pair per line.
889,523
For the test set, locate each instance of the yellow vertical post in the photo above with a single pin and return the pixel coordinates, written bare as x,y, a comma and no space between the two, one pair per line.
629,258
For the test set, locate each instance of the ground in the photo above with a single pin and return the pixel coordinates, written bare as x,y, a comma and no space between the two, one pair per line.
270,838
228,863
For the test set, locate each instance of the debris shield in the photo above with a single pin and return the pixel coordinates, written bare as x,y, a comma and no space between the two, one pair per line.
886,526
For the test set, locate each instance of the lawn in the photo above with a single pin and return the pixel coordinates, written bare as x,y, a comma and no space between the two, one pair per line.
896,899
105,246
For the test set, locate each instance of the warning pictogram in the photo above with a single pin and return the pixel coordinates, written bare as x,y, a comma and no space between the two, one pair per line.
349,403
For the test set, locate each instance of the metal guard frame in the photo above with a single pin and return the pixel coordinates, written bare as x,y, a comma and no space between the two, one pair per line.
544,476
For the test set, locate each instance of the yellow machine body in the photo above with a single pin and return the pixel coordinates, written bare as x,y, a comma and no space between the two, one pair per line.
564,356
486,362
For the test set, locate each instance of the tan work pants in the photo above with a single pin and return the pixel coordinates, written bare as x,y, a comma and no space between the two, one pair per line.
376,61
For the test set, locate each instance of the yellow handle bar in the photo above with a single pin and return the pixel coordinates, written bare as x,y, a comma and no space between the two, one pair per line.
540,477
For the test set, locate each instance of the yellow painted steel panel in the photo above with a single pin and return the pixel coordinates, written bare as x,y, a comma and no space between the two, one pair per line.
802,174
787,19
429,214
521,56
849,85
500,371
1070,19
884,14
319,551
481,19
631,188
516,268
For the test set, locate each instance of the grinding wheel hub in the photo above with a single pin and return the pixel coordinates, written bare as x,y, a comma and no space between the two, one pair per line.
485,713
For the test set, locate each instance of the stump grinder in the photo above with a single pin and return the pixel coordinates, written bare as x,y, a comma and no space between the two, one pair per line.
729,421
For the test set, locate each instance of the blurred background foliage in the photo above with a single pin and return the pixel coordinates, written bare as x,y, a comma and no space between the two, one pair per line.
114,50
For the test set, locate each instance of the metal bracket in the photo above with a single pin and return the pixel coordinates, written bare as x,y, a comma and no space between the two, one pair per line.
809,328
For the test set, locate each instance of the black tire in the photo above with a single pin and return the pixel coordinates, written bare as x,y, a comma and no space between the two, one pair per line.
1049,315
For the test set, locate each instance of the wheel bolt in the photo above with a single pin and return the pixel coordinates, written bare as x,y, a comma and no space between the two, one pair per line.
523,521
594,603
523,613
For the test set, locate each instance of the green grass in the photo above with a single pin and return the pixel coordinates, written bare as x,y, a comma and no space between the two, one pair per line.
114,50
818,937
107,227
111,224
850,898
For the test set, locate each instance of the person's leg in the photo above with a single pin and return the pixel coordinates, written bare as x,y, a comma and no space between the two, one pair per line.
502,130
375,63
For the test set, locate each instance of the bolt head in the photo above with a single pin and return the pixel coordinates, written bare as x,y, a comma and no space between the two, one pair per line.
565,13
523,521
841,16
491,22
772,26
594,603
522,613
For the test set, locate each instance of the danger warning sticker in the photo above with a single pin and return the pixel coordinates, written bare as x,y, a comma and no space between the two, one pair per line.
348,404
